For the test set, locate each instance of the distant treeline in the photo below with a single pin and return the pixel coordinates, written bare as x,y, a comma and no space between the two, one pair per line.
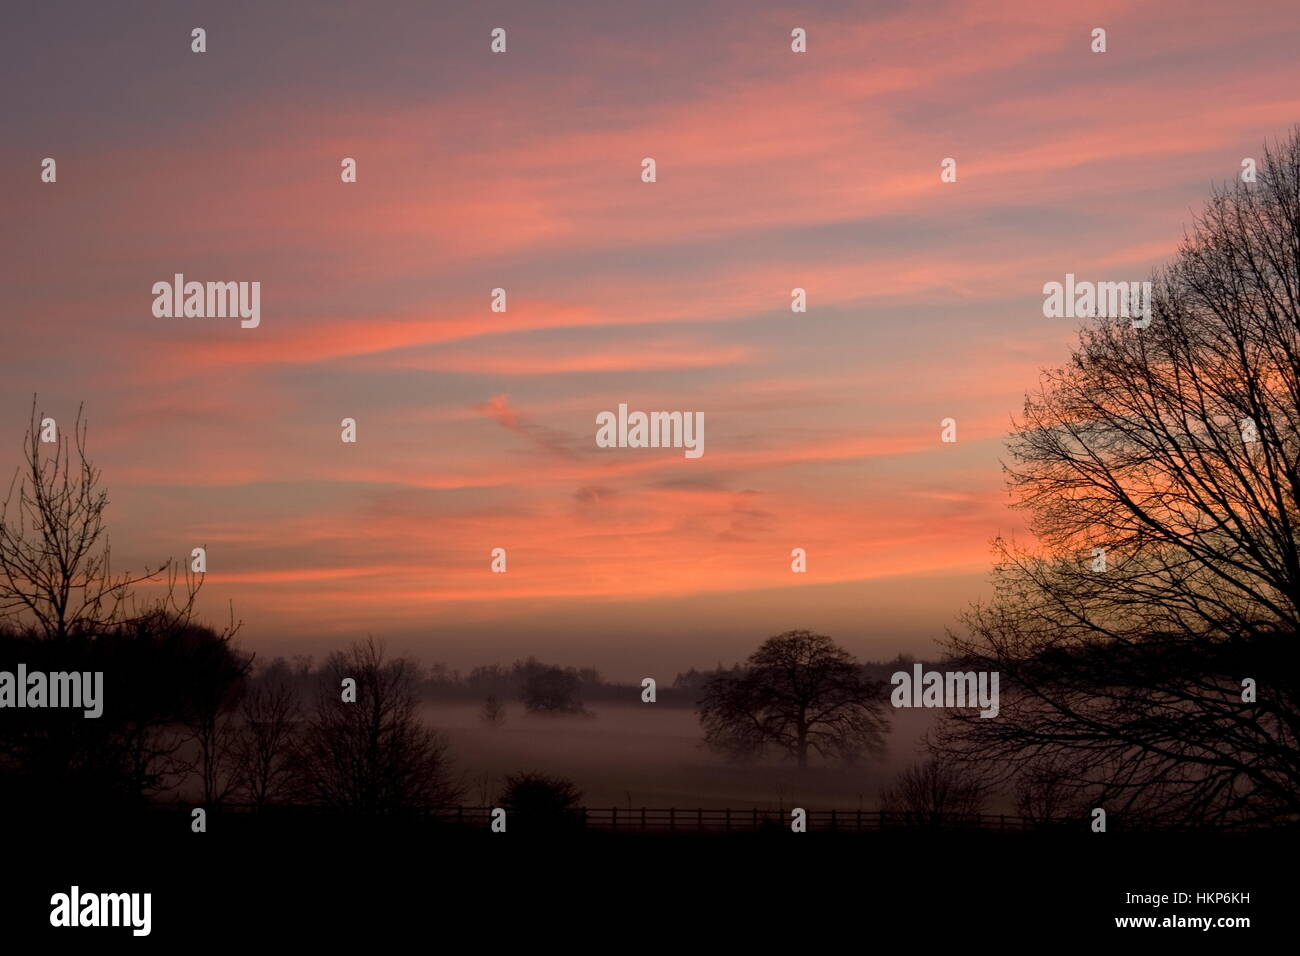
546,687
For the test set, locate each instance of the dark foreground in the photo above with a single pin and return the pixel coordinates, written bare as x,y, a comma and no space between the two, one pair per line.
244,884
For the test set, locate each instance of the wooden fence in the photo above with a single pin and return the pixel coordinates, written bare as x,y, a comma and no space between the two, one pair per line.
698,819
688,819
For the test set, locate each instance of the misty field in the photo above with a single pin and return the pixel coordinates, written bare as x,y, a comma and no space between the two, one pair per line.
638,754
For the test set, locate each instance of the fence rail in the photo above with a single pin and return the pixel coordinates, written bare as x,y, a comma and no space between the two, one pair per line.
680,819
693,819
713,820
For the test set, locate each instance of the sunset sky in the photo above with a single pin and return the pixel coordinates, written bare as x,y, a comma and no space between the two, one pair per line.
522,170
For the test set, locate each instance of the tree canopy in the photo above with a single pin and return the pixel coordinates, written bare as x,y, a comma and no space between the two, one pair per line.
1160,470
798,694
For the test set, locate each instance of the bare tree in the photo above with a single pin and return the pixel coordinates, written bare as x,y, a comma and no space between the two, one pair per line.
1044,795
494,712
214,721
934,793
67,609
798,694
55,563
483,789
1161,472
374,756
271,716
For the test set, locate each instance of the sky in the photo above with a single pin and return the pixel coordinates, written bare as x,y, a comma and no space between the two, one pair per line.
522,170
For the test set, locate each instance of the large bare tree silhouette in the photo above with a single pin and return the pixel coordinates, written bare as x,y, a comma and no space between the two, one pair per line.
64,608
1160,469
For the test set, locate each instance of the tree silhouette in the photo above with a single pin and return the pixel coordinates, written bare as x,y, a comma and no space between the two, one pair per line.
1044,796
271,724
798,693
156,676
536,802
494,712
547,689
56,576
65,609
374,756
1172,454
934,794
